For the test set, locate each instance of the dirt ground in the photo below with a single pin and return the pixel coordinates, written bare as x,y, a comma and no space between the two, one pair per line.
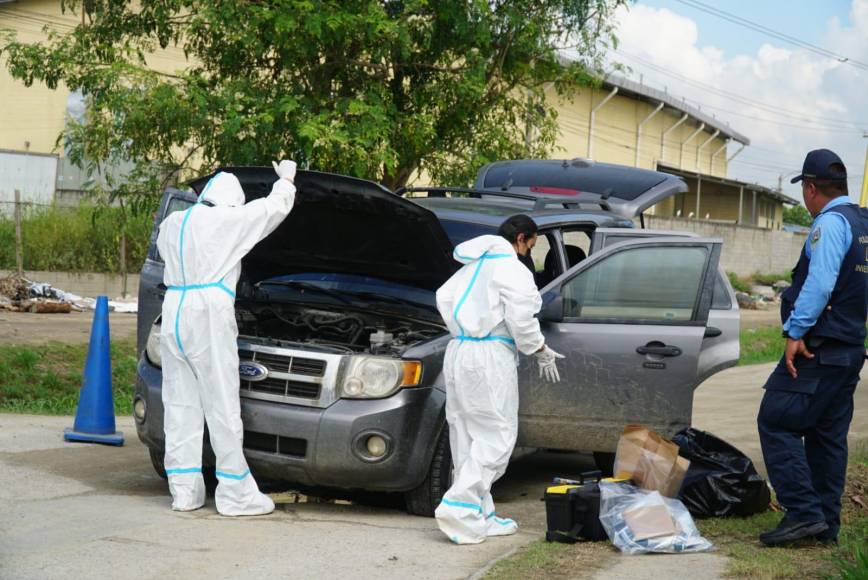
27,328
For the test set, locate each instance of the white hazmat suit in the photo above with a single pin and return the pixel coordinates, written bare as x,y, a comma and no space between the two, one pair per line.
202,249
489,307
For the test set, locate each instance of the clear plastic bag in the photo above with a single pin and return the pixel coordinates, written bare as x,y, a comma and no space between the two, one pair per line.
639,521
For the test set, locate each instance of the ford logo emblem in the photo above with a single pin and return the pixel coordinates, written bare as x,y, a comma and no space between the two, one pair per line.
251,371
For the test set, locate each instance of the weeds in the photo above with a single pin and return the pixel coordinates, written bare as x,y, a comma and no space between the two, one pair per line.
46,379
80,239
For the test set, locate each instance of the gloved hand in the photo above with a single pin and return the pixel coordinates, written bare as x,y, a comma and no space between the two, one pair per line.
546,360
286,170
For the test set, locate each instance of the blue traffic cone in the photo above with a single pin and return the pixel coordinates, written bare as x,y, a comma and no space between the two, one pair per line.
95,416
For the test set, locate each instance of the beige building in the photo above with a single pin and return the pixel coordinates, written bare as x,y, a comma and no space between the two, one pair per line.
619,122
629,123
32,118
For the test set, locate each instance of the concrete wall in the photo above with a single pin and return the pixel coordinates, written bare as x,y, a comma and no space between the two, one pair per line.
87,284
746,249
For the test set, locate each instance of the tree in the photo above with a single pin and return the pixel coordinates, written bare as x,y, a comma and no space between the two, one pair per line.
379,89
797,215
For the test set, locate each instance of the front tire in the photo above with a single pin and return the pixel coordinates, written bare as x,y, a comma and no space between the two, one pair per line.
423,500
157,462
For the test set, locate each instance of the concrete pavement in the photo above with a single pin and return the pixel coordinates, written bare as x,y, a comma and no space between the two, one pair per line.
70,510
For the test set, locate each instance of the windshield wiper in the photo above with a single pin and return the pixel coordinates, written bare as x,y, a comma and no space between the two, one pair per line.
298,285
392,299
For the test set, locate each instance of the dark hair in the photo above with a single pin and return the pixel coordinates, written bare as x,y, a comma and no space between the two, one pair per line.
515,225
831,187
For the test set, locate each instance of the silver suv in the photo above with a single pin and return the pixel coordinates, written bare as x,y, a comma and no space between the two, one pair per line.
342,346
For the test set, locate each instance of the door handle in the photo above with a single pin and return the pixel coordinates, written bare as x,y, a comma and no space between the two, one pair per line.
712,332
659,349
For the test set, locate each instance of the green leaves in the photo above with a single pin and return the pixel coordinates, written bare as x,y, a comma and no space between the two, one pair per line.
380,89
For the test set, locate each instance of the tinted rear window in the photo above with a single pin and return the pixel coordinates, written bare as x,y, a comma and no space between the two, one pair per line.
626,183
462,231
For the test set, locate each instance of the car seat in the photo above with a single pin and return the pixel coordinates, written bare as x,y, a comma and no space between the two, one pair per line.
551,269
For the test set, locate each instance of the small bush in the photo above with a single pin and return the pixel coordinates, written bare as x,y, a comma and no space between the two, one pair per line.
769,279
80,239
737,283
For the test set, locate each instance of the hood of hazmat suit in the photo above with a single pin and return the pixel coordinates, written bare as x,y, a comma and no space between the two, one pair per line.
202,248
489,307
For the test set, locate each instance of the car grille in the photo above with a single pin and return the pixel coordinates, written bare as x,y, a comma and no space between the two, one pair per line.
275,444
294,376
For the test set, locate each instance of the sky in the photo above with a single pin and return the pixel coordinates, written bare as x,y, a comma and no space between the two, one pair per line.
786,99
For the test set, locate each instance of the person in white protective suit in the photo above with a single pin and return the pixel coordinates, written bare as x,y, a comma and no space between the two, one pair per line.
489,307
202,249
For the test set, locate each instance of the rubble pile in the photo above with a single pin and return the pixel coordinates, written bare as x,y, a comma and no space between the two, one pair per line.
762,297
18,294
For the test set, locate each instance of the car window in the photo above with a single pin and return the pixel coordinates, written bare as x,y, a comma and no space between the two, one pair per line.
175,204
539,252
646,283
462,231
720,300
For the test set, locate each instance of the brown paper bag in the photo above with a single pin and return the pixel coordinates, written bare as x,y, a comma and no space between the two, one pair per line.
650,461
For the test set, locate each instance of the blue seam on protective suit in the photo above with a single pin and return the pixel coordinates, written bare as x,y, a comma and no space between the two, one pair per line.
184,288
219,284
462,504
484,256
182,470
232,475
467,292
183,279
490,337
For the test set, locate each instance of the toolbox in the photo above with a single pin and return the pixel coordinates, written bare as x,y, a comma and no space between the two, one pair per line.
573,510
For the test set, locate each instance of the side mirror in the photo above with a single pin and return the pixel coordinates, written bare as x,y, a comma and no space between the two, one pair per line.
553,308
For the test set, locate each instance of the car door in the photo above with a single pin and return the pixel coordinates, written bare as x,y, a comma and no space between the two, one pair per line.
720,346
151,288
630,321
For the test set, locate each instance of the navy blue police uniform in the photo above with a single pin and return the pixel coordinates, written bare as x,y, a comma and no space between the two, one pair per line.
803,421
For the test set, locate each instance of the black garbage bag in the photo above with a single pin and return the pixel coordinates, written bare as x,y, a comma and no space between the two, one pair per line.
721,480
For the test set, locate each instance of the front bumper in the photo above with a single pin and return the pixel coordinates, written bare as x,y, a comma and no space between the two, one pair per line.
319,446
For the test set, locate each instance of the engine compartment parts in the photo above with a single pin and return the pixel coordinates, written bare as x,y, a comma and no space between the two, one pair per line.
347,329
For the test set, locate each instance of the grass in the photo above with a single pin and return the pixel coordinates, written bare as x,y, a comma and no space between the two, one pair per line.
737,538
743,284
543,559
761,345
46,379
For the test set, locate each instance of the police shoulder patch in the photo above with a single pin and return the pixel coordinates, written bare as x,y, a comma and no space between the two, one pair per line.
815,235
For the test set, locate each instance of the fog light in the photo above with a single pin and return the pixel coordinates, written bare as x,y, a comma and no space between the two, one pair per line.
354,387
376,446
139,410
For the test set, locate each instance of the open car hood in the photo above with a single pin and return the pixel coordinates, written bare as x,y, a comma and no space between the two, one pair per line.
346,225
626,191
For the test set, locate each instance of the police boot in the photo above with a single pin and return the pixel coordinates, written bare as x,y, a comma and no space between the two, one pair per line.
789,531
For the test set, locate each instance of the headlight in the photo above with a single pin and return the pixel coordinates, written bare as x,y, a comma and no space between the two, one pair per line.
152,350
371,377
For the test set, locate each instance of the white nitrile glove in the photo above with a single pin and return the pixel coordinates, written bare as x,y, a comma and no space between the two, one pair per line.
285,170
547,367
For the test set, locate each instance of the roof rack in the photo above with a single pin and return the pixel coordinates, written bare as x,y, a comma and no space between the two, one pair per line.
540,202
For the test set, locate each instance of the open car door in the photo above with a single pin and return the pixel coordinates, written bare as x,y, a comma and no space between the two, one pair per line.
630,320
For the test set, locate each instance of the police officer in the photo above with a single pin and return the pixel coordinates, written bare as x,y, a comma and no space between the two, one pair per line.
808,402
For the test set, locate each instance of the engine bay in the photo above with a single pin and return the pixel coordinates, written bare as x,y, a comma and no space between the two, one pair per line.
347,330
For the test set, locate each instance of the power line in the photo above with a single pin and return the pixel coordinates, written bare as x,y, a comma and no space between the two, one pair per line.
756,27
820,122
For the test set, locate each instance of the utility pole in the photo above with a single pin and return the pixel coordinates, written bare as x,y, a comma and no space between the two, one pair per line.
19,257
864,199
